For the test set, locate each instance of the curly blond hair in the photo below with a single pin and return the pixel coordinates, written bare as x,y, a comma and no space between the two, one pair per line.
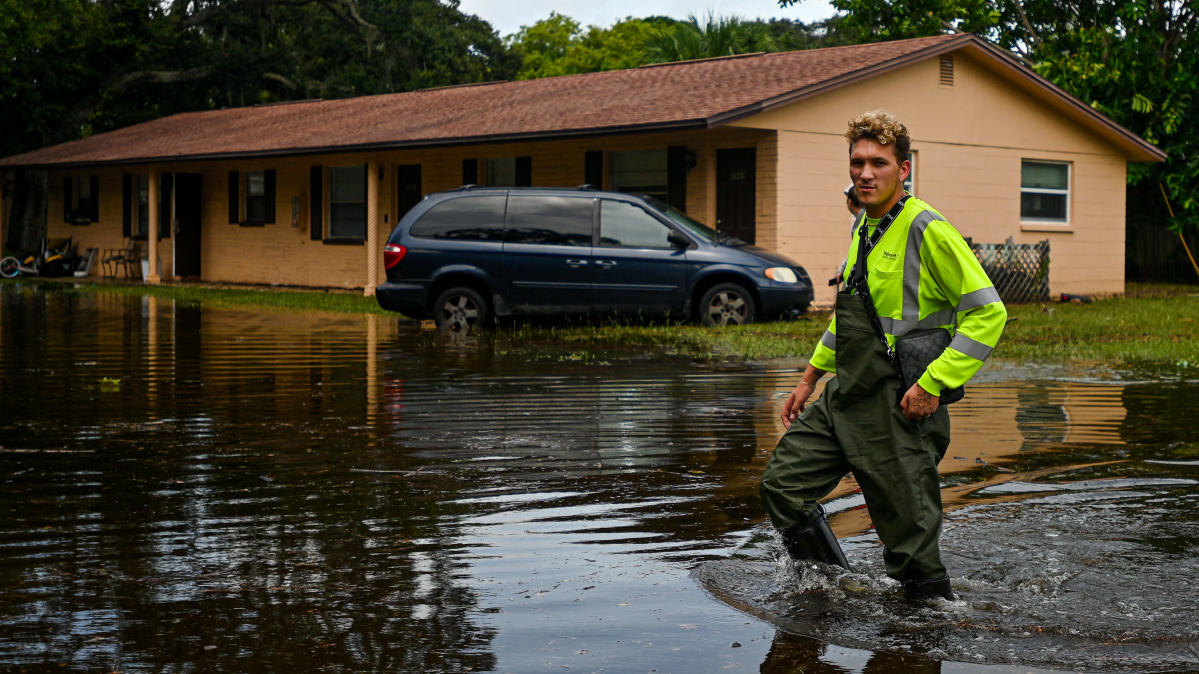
882,127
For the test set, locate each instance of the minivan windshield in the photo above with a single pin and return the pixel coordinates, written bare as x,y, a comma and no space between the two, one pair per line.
693,226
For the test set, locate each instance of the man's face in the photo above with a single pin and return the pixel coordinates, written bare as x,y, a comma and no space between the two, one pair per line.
877,176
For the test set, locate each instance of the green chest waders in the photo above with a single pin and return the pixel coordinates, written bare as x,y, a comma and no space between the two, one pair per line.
857,426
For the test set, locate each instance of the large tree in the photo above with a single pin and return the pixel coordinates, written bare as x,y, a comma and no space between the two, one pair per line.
73,67
70,68
1136,61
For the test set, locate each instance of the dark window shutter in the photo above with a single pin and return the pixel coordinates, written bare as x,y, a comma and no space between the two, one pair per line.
524,171
127,205
93,213
676,176
593,168
66,199
470,171
166,188
269,189
316,209
234,197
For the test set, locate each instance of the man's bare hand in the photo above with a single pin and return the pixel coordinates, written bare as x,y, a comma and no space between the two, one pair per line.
918,404
796,402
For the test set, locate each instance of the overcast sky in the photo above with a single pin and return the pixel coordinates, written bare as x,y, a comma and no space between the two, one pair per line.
507,16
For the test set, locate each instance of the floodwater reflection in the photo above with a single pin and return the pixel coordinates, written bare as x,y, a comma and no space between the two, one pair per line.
223,489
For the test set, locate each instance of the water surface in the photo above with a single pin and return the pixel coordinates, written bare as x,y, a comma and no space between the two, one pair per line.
216,489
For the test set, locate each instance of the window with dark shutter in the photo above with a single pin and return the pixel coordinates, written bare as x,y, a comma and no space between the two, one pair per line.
524,171
234,198
93,212
268,213
316,208
593,168
470,171
347,202
676,177
67,203
79,200
126,205
255,199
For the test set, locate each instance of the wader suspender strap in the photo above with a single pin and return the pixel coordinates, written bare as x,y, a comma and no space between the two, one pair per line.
857,277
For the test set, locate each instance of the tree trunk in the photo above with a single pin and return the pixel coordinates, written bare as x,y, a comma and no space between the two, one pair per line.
28,225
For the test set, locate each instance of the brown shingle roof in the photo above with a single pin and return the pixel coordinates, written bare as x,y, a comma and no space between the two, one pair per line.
690,94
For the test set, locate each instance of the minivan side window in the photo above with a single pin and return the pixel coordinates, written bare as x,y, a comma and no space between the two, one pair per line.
628,225
478,218
563,221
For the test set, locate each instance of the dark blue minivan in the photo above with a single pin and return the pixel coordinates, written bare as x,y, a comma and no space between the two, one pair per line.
464,256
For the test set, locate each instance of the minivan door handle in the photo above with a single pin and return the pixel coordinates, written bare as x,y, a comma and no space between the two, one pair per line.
576,262
606,264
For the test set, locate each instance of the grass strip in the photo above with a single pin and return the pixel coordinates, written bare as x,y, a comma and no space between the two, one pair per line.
1152,324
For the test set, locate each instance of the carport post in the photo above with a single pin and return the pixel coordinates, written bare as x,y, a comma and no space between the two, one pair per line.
373,251
152,235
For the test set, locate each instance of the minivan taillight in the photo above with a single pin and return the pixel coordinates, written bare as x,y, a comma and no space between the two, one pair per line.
392,254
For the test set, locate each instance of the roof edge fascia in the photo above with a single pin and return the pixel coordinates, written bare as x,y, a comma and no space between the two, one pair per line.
370,147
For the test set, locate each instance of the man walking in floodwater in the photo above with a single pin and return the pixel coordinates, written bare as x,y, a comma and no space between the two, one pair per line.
914,305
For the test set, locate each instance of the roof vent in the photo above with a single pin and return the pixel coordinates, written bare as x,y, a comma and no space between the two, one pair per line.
947,70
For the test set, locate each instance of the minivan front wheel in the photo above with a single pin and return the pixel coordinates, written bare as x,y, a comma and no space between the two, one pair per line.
727,304
460,309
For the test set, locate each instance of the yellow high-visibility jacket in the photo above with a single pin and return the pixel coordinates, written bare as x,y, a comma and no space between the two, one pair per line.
922,274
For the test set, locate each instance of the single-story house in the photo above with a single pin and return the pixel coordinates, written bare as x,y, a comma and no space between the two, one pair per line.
305,193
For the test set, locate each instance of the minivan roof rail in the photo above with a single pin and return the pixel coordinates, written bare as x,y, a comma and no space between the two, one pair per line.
587,186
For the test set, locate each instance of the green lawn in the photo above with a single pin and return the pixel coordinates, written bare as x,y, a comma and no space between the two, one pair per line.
1152,324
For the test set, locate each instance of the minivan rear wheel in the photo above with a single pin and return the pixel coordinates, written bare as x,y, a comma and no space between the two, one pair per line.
460,309
727,304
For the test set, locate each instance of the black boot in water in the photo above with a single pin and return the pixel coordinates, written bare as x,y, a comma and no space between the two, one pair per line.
916,590
814,540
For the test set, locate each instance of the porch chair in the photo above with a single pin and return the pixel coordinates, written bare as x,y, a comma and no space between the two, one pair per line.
124,259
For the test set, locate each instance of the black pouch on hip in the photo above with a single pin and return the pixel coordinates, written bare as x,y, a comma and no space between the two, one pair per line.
916,350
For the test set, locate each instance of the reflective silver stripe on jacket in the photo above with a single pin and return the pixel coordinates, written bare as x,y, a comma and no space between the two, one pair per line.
979,298
973,348
911,276
829,339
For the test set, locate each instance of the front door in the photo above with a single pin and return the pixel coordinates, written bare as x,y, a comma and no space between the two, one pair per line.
408,188
187,225
736,188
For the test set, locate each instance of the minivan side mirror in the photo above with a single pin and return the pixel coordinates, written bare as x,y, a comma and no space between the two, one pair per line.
678,240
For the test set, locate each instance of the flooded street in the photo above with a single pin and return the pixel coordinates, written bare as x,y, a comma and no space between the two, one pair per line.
188,488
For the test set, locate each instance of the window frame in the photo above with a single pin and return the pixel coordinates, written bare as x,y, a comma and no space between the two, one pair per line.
76,211
247,218
1064,192
615,172
329,204
139,228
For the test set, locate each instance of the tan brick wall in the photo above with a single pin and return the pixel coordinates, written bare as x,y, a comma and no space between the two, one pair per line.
284,254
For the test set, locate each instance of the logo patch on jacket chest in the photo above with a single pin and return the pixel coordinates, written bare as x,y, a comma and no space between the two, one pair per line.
889,255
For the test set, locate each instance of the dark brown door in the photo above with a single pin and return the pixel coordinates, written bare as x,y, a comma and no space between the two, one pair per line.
187,225
736,187
408,188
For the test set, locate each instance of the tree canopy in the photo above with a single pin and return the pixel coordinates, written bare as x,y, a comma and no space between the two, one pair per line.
73,67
